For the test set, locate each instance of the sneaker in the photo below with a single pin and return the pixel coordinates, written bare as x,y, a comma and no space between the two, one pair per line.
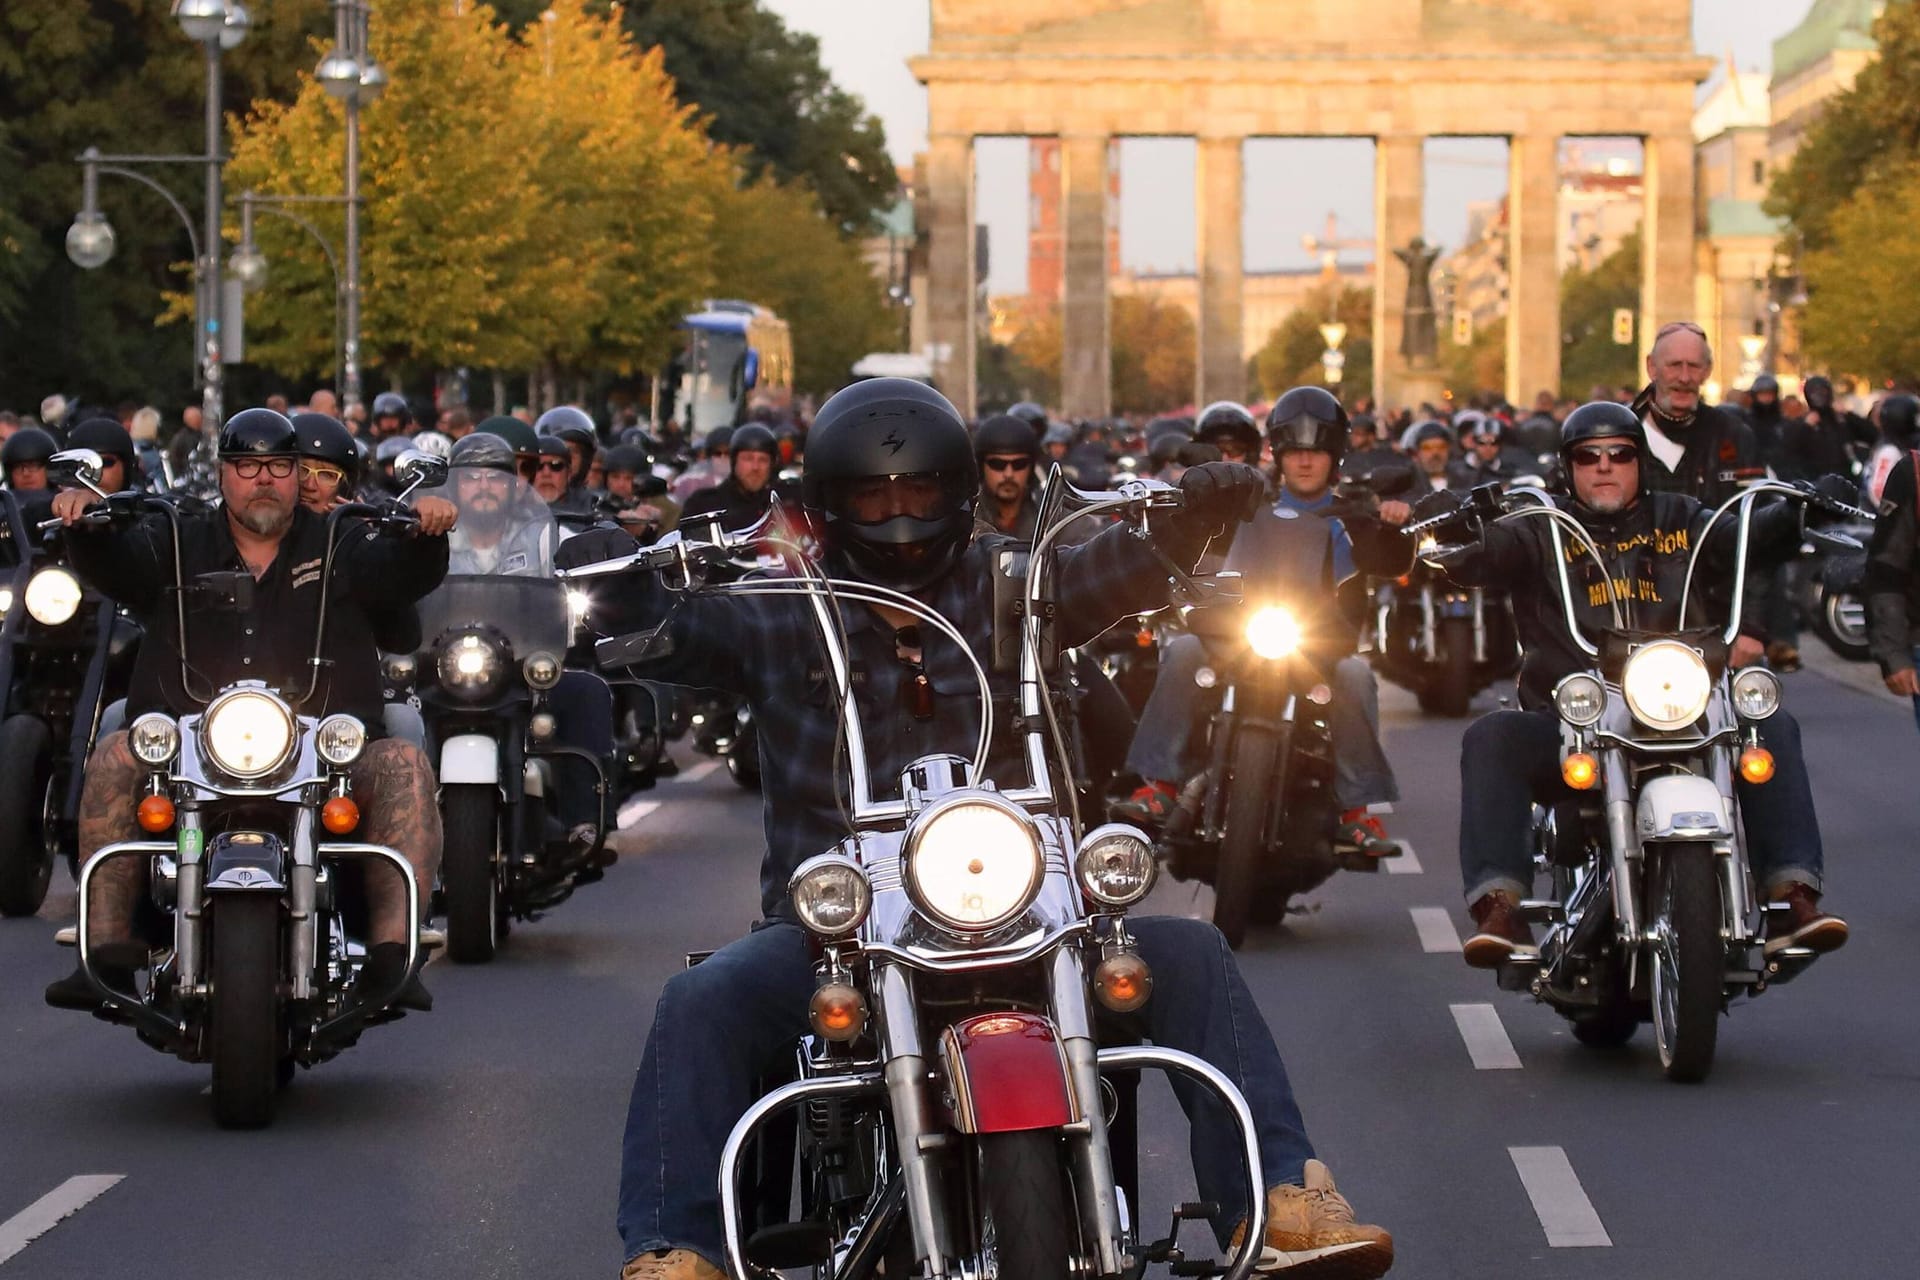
1360,831
1502,935
1782,656
1149,805
1804,923
1311,1232
671,1264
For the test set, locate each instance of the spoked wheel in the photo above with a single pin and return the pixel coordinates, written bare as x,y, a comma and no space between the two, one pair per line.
1242,846
244,1024
1689,961
28,822
1025,1234
470,819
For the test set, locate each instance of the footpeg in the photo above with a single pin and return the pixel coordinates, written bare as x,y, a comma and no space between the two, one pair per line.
1543,911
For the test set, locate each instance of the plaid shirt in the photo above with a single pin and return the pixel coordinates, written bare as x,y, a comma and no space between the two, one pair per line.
768,650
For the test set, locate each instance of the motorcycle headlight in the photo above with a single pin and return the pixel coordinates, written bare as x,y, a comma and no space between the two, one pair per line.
830,895
542,670
248,733
1115,866
1580,699
1273,633
154,738
1756,693
469,665
6,600
578,603
1666,685
972,861
340,739
53,595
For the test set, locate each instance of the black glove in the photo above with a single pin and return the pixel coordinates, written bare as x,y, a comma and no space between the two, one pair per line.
1829,489
1219,495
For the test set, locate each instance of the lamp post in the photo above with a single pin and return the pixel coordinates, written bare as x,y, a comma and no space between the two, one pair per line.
349,74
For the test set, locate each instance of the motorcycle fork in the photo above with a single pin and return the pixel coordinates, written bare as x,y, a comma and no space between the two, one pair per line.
1282,773
1429,638
916,1136
303,938
1219,747
1088,1142
1623,848
1478,596
188,920
1738,889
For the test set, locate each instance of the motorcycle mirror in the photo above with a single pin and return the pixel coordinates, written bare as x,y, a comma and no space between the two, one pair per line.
418,469
229,591
78,466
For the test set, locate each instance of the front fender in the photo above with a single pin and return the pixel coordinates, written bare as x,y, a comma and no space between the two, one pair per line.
246,861
1007,1072
1682,806
470,757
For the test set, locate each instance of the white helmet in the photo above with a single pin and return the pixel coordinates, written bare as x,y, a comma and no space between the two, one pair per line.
434,443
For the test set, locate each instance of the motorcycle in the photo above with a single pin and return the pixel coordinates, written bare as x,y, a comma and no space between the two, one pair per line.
65,654
1834,598
1442,643
245,804
495,632
1655,915
956,1116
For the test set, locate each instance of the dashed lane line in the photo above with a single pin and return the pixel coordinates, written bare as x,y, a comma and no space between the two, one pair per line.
1485,1036
40,1217
698,772
1435,926
634,810
1559,1201
1404,865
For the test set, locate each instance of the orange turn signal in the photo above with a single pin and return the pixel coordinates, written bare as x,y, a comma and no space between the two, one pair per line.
1123,982
340,815
1143,638
156,814
1580,771
837,1012
1756,765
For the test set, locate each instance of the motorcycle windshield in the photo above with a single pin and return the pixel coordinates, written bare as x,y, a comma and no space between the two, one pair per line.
499,565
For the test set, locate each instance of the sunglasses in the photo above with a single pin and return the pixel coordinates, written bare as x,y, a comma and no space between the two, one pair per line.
250,468
321,475
555,466
1008,464
1589,455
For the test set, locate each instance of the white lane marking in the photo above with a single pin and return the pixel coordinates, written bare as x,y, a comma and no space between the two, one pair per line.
1404,865
1487,1042
634,810
698,772
1559,1201
40,1217
1436,929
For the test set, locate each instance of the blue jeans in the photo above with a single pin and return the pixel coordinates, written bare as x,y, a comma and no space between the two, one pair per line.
725,1022
582,707
1164,744
1510,761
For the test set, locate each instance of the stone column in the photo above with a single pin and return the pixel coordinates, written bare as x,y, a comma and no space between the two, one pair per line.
950,266
1399,190
1666,238
1533,268
1086,377
1218,195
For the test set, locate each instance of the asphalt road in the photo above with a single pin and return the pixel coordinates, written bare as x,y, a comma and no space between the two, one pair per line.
482,1140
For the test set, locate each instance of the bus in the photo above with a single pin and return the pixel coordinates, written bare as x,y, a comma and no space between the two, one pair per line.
738,358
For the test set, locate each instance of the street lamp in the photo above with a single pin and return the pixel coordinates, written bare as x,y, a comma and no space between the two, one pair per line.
349,74
90,241
1333,361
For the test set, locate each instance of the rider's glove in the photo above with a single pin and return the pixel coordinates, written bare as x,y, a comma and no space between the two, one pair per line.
1219,495
1829,488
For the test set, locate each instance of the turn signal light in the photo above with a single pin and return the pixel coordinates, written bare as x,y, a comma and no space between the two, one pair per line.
1143,638
837,1012
1756,765
1580,771
1123,982
340,815
156,814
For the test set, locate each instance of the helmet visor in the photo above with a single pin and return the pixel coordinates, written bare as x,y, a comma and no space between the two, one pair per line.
1304,432
903,508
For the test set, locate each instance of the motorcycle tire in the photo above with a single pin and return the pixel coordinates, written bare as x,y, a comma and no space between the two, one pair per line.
1688,962
470,818
1608,1027
1237,877
1839,619
244,1026
1452,694
26,810
1023,1193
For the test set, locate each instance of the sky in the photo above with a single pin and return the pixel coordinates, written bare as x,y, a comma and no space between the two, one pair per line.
865,45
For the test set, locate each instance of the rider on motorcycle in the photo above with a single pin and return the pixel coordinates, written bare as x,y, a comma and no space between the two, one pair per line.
1510,760
1309,431
262,528
892,480
1229,428
120,467
1007,450
743,496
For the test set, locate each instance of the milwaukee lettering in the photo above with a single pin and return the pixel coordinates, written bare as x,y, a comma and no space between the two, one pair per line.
1644,590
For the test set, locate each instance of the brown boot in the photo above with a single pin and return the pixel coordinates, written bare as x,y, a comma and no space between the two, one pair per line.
1311,1233
1805,925
1502,934
671,1264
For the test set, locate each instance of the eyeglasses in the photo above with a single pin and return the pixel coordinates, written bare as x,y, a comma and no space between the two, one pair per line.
1008,464
250,468
321,474
1589,455
555,466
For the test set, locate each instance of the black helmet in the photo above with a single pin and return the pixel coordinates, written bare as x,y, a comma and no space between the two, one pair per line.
260,433
718,438
391,404
29,444
625,458
1005,433
518,435
1225,420
484,450
882,428
1308,418
1818,392
1031,414
1166,447
1599,419
1900,418
754,438
327,440
1765,382
552,422
106,436
555,447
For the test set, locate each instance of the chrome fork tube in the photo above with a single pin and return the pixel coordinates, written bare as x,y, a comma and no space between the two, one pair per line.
906,1076
187,919
1623,847
1428,642
1738,897
1479,598
1092,1152
302,937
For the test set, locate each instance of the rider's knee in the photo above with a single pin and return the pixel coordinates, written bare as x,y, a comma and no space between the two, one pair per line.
1183,656
112,762
1353,676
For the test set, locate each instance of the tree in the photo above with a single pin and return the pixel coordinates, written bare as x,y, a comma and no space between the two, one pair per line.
1479,366
1856,316
1291,353
1154,345
1588,299
1036,352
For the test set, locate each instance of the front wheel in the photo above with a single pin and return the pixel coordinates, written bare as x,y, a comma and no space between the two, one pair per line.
470,820
1028,1223
27,815
1251,784
1452,688
244,1025
1841,621
1689,961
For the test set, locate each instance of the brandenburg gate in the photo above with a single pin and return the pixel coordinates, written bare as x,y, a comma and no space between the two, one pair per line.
1222,71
